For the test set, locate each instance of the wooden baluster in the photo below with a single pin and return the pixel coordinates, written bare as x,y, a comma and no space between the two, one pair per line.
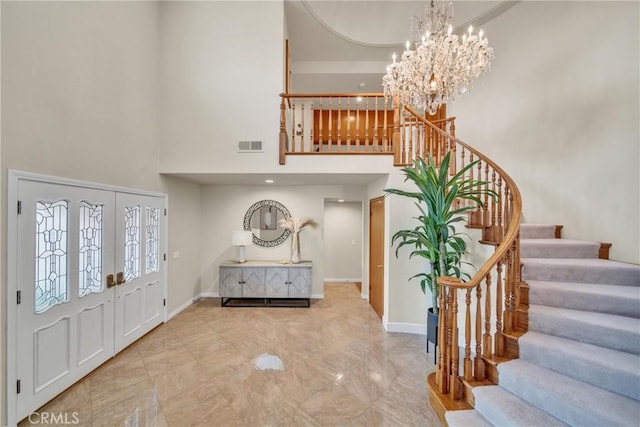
357,125
487,349
478,361
449,339
468,369
407,132
376,130
455,391
494,230
441,374
479,208
366,123
320,128
283,133
293,125
485,208
508,320
396,137
500,231
453,127
499,337
462,154
330,120
311,134
507,208
302,130
339,125
454,157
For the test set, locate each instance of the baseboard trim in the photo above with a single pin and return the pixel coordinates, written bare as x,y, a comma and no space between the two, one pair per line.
210,295
178,310
406,328
353,280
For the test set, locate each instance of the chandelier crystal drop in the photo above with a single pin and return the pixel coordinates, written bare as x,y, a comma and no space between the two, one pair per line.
436,65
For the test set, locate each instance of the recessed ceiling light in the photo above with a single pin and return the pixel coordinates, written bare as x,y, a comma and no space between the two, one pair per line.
340,200
268,181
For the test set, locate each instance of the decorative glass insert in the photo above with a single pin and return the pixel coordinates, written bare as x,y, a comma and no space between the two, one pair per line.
131,242
153,230
90,253
51,279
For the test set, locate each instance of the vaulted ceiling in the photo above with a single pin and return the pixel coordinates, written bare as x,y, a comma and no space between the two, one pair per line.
345,45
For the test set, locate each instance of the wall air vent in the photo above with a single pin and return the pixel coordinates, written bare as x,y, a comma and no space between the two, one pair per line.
250,147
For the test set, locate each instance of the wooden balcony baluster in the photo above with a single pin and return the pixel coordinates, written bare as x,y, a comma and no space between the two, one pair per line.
478,361
499,336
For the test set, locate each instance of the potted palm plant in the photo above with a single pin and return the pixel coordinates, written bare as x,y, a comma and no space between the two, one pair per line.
435,237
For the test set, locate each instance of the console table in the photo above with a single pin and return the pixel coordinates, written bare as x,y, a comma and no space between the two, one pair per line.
270,282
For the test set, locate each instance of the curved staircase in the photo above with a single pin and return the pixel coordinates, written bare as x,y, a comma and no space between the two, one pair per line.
580,359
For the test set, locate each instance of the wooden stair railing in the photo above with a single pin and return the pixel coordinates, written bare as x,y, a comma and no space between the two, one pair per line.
490,316
488,326
350,123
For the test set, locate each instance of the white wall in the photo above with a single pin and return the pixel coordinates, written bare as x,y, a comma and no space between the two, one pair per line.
80,100
343,230
222,68
559,112
224,207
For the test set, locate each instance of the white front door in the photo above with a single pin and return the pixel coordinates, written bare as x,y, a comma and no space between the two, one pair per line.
89,281
65,316
139,290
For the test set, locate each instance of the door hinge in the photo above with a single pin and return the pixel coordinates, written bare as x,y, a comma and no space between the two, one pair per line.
19,207
19,297
165,257
18,387
165,211
164,302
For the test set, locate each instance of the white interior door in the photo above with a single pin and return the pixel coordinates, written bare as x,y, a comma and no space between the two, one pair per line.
65,246
140,289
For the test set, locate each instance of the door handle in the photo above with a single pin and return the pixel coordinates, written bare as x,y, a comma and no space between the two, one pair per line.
110,282
381,265
120,278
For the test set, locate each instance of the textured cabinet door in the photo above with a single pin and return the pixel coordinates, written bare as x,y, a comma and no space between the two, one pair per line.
230,286
253,282
276,282
300,282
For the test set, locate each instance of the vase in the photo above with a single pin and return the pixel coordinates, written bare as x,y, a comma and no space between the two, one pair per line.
295,248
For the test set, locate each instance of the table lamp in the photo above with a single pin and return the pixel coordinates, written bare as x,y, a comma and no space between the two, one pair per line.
241,239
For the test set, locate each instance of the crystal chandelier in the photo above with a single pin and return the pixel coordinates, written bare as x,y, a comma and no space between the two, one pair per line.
441,65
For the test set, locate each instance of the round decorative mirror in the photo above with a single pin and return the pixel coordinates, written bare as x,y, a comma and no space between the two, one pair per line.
263,220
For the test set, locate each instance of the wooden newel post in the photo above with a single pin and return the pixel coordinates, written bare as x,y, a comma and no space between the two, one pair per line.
283,131
395,137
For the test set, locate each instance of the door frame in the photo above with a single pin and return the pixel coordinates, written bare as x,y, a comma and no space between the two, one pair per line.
13,180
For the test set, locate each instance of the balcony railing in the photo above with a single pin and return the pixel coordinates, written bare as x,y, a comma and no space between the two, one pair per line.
354,123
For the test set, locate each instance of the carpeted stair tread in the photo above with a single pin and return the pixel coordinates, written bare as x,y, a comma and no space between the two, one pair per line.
612,370
537,231
611,299
606,330
581,270
466,418
512,410
558,248
570,400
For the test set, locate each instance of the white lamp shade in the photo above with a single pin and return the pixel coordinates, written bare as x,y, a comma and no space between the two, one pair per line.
242,238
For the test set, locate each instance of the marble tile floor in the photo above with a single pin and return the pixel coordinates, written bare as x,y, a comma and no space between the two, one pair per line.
340,369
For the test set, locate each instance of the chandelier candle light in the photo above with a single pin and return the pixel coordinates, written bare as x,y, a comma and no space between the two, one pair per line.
441,64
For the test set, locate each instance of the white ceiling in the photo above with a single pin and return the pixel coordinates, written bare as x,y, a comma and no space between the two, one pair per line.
337,45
